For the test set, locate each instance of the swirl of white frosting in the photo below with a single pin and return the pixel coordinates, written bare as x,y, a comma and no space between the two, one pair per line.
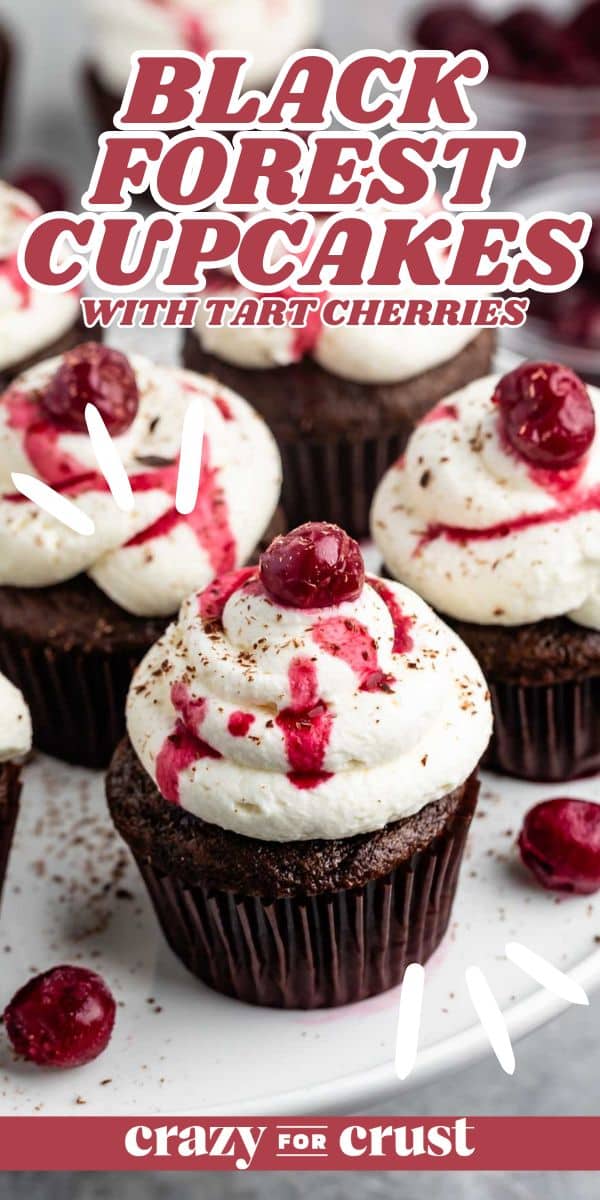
147,559
286,724
30,320
15,723
480,533
269,30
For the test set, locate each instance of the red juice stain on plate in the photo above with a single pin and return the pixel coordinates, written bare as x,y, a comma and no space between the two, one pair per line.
403,641
239,724
181,749
346,638
9,270
306,727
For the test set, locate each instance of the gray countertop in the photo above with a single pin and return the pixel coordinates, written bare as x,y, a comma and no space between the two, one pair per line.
558,1067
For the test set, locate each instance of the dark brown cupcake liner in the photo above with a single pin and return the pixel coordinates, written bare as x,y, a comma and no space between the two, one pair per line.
73,337
546,733
322,950
335,480
10,791
76,699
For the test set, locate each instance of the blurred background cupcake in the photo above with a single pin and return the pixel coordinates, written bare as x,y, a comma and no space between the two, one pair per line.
269,30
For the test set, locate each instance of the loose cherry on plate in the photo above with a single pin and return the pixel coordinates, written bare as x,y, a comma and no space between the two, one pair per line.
317,565
63,1018
546,414
92,374
560,843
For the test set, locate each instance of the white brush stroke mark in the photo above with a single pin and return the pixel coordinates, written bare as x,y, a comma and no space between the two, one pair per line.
190,461
409,1019
488,1011
545,973
108,459
51,502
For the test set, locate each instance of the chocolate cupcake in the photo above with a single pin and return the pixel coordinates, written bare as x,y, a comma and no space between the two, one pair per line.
300,775
341,401
15,743
493,516
78,612
33,324
269,32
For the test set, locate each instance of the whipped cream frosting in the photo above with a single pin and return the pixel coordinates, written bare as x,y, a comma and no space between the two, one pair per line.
480,533
286,724
30,320
148,559
269,30
15,723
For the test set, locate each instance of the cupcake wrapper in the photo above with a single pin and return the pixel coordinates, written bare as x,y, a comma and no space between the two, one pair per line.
10,791
316,951
546,733
335,480
77,700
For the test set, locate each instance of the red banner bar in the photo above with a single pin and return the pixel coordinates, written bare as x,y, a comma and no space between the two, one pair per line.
324,1144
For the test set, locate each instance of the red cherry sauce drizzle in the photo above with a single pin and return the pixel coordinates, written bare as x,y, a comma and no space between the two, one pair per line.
209,520
183,747
212,601
306,727
346,638
239,724
441,412
403,642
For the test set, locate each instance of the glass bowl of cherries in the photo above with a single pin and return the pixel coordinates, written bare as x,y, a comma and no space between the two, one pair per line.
563,326
544,61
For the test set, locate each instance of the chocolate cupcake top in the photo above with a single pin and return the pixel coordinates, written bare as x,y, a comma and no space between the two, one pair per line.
149,557
493,512
29,319
15,723
299,700
269,30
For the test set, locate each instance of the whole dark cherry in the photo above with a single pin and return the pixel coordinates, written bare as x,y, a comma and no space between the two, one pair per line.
585,26
317,565
560,843
63,1018
92,374
43,186
533,35
546,414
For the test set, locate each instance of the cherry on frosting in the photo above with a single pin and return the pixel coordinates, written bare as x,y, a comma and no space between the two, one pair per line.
458,27
317,565
547,414
560,843
92,374
63,1018
44,187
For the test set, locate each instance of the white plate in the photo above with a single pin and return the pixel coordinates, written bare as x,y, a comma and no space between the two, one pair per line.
72,895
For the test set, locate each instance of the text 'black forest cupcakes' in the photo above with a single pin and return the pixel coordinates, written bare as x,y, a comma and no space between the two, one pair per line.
341,400
269,30
33,323
15,743
493,516
77,611
300,776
